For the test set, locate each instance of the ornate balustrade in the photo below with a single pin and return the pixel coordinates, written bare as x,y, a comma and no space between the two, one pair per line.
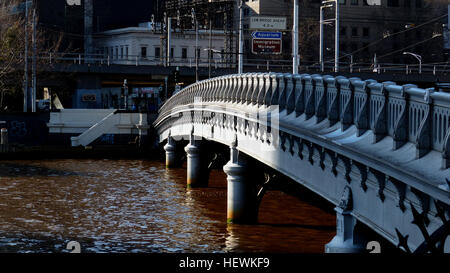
405,113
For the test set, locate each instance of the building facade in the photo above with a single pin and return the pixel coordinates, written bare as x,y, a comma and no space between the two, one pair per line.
385,30
147,46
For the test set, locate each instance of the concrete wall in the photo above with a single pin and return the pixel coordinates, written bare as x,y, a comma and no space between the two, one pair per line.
26,128
69,123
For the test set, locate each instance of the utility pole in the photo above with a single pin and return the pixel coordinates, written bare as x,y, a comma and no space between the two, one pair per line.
295,40
34,81
169,37
196,50
241,39
88,29
25,82
322,66
125,91
336,40
195,22
210,48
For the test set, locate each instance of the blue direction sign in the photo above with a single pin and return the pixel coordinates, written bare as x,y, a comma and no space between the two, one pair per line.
266,35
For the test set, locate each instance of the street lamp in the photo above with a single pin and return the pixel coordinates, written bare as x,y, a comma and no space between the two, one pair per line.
241,38
351,60
295,40
329,4
210,53
125,91
418,57
195,22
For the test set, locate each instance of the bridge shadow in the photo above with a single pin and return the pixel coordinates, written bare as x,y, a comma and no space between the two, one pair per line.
292,225
20,170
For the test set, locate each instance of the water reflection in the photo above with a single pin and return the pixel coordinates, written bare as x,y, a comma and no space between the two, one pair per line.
139,206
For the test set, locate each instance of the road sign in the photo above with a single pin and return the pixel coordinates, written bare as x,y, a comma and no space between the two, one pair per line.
267,23
266,35
266,46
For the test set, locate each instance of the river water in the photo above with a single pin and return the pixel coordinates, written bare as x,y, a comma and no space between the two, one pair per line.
139,206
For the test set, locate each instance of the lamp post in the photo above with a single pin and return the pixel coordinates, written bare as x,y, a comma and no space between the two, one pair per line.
329,4
195,22
125,91
211,52
25,90
351,60
241,39
295,39
418,57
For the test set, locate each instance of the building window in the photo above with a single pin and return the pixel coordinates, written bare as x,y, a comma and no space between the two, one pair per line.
246,11
342,2
157,52
392,3
143,52
407,3
171,52
117,52
343,47
184,53
126,52
198,53
343,31
121,52
354,47
354,31
354,2
366,32
111,52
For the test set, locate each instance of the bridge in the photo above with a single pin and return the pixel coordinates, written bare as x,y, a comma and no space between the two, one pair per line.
378,151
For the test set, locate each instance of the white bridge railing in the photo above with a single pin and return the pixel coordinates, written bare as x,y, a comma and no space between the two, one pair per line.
406,113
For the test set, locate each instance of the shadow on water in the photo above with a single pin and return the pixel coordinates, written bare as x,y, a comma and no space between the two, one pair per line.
19,170
313,227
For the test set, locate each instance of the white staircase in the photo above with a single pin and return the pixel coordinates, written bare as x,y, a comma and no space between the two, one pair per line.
105,125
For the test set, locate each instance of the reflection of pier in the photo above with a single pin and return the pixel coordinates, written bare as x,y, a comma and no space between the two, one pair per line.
380,152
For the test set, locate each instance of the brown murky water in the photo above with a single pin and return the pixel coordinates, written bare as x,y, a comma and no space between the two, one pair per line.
139,206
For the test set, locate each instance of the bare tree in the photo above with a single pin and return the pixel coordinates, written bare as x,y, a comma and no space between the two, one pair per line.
12,45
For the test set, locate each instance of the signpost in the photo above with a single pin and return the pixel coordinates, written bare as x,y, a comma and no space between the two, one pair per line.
267,42
268,23
266,46
266,35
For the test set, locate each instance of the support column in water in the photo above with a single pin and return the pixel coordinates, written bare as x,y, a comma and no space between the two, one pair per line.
345,239
241,193
194,175
170,148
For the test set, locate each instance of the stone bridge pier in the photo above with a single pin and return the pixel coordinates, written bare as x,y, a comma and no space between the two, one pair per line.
242,205
246,185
